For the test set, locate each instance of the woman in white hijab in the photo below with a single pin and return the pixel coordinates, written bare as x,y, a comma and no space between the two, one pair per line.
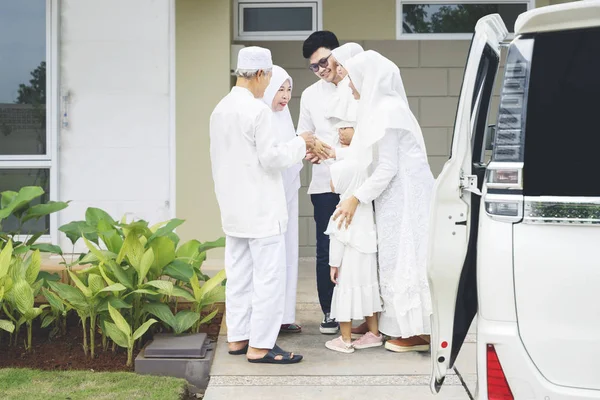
388,141
277,95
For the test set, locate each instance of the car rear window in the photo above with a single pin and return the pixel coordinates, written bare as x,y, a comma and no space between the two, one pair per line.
562,134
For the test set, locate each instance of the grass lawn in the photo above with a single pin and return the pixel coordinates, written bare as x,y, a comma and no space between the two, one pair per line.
75,385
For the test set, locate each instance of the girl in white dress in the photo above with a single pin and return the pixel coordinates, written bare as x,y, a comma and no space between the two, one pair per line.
277,95
353,261
388,140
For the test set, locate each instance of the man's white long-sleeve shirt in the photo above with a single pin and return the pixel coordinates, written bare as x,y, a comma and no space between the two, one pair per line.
246,166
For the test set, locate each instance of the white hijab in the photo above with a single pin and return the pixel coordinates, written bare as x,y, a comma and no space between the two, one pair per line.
383,103
282,123
342,106
345,52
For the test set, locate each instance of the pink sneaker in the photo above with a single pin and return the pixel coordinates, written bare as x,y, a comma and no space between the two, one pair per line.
368,340
338,344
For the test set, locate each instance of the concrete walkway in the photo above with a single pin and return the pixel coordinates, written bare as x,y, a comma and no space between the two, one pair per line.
373,374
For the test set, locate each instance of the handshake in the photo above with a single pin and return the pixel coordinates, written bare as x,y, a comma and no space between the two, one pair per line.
316,150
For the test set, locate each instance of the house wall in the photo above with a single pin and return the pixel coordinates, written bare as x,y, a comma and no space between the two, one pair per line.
202,58
115,153
432,72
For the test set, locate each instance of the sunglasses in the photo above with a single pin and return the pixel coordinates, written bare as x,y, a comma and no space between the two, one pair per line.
322,63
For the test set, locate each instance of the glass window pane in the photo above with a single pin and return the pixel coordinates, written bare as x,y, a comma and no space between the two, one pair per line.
23,77
455,18
15,179
274,19
562,134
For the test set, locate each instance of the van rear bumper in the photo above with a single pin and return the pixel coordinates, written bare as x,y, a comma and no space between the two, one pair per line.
523,377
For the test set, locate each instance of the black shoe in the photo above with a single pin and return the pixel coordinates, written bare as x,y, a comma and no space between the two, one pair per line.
329,326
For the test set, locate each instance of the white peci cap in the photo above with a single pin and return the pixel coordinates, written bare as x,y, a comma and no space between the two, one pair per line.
254,58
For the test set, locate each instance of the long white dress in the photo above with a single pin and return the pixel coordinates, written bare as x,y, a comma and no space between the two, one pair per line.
283,130
401,185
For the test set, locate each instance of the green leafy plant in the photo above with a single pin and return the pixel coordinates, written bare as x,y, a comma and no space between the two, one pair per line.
121,333
88,300
179,323
5,283
207,295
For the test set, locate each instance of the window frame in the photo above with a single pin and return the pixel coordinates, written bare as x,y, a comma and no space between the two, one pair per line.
50,159
447,36
238,24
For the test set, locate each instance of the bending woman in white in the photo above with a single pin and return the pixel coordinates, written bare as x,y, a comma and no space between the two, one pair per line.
277,95
388,141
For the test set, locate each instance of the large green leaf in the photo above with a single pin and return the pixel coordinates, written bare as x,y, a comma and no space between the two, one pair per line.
87,292
95,283
47,320
212,245
209,317
166,287
7,197
47,248
164,253
7,326
34,238
41,210
119,321
162,312
133,249
185,320
94,215
69,294
33,265
217,295
120,275
180,292
145,264
139,332
137,228
21,250
121,339
212,283
47,277
77,229
168,228
116,287
19,203
195,284
115,302
189,252
110,236
179,270
5,258
23,297
54,301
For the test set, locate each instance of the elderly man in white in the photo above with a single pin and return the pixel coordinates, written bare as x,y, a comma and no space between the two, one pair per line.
247,161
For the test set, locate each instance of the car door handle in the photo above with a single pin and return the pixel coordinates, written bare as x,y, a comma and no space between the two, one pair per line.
461,223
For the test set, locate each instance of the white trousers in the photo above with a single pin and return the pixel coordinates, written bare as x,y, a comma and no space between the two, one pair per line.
255,289
291,260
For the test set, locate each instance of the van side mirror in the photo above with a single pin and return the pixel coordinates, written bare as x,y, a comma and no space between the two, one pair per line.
489,137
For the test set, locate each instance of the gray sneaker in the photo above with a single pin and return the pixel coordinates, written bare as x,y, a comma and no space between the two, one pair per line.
329,326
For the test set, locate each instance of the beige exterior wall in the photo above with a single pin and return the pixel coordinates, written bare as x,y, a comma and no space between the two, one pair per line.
202,58
432,73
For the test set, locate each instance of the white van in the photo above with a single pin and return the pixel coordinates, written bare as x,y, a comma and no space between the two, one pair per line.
516,240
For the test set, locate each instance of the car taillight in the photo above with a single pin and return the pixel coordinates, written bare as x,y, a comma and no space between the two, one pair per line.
510,134
497,384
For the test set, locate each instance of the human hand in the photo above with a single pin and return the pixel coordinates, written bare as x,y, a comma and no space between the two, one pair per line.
321,150
312,158
346,135
345,211
334,273
309,139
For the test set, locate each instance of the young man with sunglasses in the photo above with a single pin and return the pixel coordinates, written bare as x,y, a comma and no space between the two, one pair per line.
315,100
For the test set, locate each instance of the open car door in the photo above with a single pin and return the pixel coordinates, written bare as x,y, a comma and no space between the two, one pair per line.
451,264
